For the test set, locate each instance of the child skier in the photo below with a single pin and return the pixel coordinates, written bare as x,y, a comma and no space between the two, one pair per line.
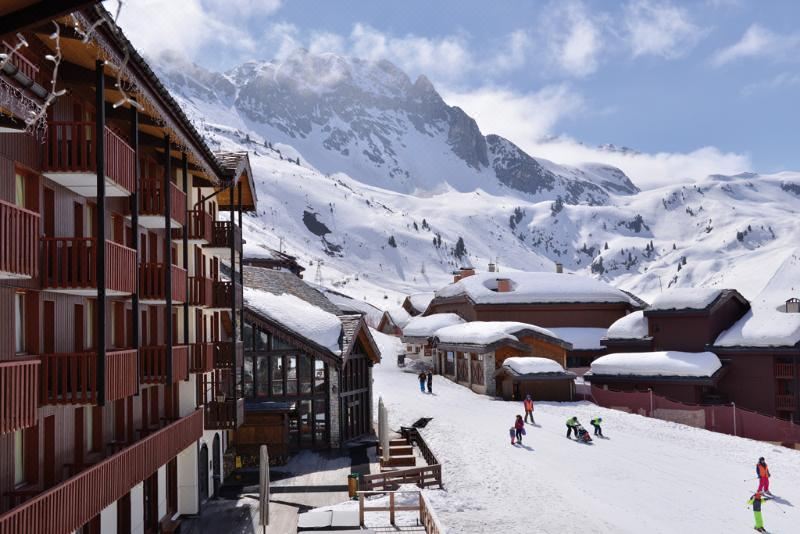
430,382
762,472
528,404
572,426
422,377
512,433
519,427
596,424
755,501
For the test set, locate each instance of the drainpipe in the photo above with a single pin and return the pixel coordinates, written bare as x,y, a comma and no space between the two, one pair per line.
185,165
100,253
135,238
168,255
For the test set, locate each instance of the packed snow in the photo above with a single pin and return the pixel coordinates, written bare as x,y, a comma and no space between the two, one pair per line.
299,316
632,326
659,363
486,332
581,338
762,327
651,476
428,325
685,298
420,301
524,365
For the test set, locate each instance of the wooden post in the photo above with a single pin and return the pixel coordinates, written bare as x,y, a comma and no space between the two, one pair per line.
361,509
241,254
168,254
100,237
391,508
263,494
134,201
185,208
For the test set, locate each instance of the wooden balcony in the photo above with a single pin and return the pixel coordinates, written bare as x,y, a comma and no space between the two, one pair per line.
785,403
784,371
228,354
72,503
152,283
152,204
23,64
153,364
223,235
69,263
71,377
223,294
71,159
19,401
201,358
200,226
201,291
19,242
224,414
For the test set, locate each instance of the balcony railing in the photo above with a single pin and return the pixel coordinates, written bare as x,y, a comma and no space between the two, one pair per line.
153,364
74,502
152,283
71,377
224,414
201,291
224,233
223,294
784,370
785,403
200,225
71,150
69,264
228,354
152,201
25,65
202,358
19,384
19,233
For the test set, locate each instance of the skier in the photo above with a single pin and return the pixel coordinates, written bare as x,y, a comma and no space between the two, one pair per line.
519,427
596,424
528,404
762,472
422,378
430,382
756,500
512,433
572,426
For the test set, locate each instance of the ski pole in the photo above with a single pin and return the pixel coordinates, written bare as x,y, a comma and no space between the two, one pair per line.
778,505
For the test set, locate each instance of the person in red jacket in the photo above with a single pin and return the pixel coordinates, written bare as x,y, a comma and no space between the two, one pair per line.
762,471
528,404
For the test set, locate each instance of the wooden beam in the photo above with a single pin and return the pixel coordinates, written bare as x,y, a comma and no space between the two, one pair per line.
24,18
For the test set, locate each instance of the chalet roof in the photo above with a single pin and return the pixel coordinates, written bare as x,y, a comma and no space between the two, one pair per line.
354,326
533,368
694,299
658,363
419,301
762,326
236,169
398,316
279,282
428,325
581,338
632,326
488,335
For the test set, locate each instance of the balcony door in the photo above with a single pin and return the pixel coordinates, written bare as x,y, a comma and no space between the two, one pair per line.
77,220
49,212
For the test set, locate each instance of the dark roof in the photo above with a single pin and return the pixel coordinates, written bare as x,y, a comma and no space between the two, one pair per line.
724,296
351,326
280,282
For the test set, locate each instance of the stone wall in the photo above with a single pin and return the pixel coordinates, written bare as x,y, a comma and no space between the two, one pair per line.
334,407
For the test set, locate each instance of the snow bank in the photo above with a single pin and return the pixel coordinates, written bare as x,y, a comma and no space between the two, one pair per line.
529,287
687,298
762,327
486,332
299,316
420,301
427,326
532,365
663,363
581,338
632,326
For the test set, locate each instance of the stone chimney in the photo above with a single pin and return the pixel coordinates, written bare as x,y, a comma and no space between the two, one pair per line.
503,285
466,271
559,268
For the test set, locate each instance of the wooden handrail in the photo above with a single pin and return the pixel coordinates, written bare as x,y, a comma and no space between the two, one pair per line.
227,414
19,403
200,225
152,201
202,358
71,377
70,263
152,283
19,234
201,291
390,480
427,517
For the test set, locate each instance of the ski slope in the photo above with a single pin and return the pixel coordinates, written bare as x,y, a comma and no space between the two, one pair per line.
650,477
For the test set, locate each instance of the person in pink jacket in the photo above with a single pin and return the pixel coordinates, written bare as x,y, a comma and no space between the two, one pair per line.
519,428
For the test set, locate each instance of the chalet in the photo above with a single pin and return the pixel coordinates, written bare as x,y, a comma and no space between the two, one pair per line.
541,378
307,377
262,256
419,331
393,321
417,303
471,353
121,346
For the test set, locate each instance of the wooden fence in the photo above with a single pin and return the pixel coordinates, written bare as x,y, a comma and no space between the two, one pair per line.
427,517
424,477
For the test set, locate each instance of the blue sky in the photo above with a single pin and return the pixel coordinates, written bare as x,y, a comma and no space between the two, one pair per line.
697,87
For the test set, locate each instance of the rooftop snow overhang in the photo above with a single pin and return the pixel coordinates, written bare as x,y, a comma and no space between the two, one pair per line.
711,308
661,379
531,377
505,342
624,341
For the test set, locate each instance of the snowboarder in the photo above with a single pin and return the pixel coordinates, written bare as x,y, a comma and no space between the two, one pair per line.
430,382
519,427
528,404
596,424
512,433
755,501
762,472
422,378
572,426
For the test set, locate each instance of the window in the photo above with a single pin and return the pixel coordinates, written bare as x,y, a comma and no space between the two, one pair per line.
319,376
19,458
320,420
278,344
262,376
277,375
291,375
304,372
248,337
19,197
19,322
247,376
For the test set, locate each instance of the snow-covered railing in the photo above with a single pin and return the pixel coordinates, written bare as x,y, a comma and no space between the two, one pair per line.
413,436
427,517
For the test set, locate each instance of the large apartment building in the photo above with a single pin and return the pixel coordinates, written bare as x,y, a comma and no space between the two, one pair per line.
120,284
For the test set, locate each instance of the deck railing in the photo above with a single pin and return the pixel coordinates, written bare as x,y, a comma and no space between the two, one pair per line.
785,402
427,517
19,234
228,354
224,415
784,370
200,225
201,291
71,377
25,65
153,364
223,294
71,504
19,401
71,149
202,358
224,232
70,263
152,200
152,283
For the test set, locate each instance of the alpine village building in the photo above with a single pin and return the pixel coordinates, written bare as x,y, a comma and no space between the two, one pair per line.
121,343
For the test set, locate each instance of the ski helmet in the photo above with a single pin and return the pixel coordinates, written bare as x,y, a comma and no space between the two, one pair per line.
761,459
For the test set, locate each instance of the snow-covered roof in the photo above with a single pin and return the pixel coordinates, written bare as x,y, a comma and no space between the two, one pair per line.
685,298
534,287
525,365
420,301
632,326
399,315
256,251
487,332
349,304
299,316
662,363
428,325
762,326
581,338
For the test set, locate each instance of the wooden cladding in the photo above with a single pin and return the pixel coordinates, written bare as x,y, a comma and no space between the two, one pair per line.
19,383
224,415
71,149
202,358
71,504
69,263
153,364
200,225
784,370
201,291
152,282
71,377
223,294
228,354
19,234
785,403
224,233
152,200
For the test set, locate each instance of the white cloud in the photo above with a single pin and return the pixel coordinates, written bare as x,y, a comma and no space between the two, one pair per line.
513,53
660,29
240,8
782,80
758,41
573,38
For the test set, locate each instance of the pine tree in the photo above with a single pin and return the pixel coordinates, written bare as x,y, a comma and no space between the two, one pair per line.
460,249
392,242
606,246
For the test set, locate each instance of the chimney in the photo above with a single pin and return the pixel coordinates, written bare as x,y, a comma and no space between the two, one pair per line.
793,305
491,267
456,278
466,271
503,285
559,268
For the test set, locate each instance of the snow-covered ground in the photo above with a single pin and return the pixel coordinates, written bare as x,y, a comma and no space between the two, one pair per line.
651,476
